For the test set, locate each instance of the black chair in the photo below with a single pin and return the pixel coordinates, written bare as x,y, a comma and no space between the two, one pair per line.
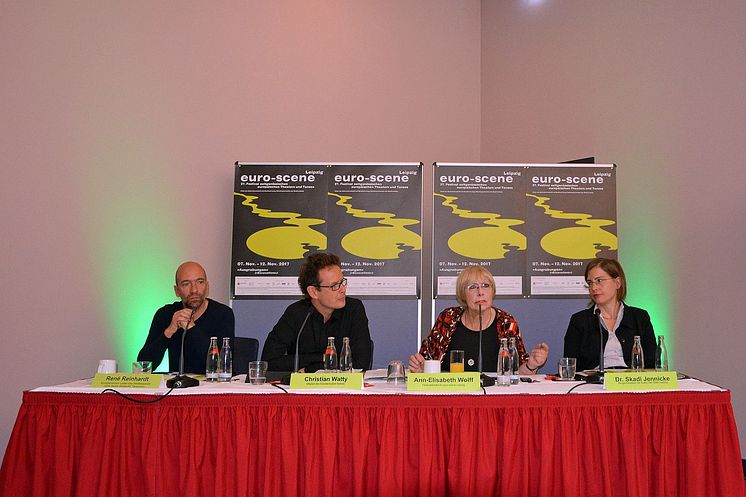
245,350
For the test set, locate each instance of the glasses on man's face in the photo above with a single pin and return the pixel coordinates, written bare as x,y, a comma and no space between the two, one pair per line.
475,286
595,282
334,286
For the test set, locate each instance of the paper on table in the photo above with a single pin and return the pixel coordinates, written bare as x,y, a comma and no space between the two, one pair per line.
376,374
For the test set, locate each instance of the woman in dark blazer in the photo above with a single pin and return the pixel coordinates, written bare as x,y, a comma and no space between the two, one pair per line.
607,288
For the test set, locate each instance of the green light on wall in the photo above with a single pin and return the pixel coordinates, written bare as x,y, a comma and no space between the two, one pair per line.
138,275
135,238
130,198
647,269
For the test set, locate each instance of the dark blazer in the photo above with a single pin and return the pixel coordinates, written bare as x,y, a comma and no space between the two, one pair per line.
583,340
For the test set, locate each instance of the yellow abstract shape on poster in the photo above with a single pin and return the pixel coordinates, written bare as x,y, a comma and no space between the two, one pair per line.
378,242
283,242
584,241
484,242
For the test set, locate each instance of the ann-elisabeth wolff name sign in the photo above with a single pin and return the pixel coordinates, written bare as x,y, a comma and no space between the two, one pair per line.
443,382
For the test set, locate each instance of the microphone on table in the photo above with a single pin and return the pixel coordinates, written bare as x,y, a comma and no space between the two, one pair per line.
181,380
485,380
286,379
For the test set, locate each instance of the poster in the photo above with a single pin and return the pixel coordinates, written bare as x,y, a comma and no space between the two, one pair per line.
279,215
367,214
572,217
533,226
479,219
374,218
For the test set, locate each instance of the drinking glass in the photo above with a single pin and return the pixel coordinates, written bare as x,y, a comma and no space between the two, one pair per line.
566,367
395,372
257,372
457,361
142,367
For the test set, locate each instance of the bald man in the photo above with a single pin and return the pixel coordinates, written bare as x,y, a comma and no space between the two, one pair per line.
201,317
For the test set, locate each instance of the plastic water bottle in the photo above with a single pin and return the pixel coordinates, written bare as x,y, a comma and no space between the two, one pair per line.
225,361
515,362
330,356
638,361
213,355
661,355
503,364
345,356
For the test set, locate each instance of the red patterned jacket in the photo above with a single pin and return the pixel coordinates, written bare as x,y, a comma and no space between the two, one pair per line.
436,344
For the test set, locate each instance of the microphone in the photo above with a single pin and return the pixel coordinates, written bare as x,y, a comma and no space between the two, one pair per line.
598,377
181,380
601,331
485,381
297,338
286,379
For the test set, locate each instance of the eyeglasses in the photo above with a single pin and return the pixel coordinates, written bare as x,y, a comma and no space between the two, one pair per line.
474,286
597,282
335,286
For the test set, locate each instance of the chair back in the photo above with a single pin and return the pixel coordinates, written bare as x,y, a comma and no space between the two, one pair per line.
245,350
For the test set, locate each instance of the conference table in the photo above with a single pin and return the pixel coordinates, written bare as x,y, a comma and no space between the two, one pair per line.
237,439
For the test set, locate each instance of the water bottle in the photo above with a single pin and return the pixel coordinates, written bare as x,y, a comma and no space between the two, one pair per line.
330,356
345,356
661,355
503,364
638,361
225,361
515,362
211,368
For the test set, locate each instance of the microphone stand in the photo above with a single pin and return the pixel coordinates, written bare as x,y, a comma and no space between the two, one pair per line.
286,379
599,376
181,380
484,380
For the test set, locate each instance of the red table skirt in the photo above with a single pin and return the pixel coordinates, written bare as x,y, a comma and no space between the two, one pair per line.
653,444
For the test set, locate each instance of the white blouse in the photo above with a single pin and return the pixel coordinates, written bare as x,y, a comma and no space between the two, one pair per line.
613,355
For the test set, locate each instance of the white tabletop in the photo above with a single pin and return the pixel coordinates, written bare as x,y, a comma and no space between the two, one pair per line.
374,385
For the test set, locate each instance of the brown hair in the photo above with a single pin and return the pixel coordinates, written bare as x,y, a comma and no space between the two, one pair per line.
309,272
613,269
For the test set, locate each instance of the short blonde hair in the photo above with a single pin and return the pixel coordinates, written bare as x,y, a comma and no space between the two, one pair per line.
469,275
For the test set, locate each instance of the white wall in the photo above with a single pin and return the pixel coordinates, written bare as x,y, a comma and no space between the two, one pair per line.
121,122
657,88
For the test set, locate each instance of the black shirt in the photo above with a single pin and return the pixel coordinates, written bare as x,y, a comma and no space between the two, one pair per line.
468,341
349,321
216,321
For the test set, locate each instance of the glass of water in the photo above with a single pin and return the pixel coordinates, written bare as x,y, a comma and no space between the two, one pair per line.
257,372
142,367
566,367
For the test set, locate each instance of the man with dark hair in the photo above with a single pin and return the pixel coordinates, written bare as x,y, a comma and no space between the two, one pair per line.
330,314
202,317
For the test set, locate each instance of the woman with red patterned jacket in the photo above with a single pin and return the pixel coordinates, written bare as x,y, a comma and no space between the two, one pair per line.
457,328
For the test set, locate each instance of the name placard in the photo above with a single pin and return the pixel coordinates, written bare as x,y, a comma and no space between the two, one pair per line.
125,380
640,380
443,382
337,381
